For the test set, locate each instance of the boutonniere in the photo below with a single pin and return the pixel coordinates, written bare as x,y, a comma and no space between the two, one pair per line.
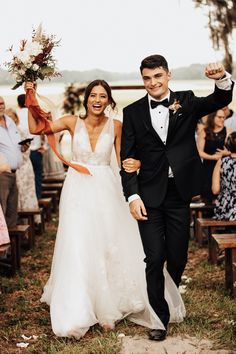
175,106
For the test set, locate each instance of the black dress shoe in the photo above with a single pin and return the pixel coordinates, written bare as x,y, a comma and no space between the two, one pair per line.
157,334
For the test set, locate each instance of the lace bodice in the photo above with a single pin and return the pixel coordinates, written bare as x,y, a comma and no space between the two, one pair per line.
81,147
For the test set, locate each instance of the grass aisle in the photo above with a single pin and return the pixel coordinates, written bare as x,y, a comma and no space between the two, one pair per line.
210,312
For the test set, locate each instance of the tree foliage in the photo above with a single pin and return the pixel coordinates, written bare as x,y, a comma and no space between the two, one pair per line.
222,22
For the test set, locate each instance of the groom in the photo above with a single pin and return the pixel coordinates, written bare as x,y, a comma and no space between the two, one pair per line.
159,130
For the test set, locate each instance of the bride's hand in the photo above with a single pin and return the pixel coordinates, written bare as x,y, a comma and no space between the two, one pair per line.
131,165
30,86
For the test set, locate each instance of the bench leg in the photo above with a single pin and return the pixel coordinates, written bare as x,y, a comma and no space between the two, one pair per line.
31,240
212,247
230,272
15,254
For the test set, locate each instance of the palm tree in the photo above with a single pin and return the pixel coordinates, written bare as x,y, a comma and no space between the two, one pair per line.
222,22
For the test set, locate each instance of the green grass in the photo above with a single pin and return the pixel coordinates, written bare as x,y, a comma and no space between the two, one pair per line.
211,313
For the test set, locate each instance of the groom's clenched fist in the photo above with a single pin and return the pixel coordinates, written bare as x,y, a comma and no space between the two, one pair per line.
215,71
138,209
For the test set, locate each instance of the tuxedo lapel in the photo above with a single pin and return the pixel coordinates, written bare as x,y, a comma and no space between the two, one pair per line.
172,116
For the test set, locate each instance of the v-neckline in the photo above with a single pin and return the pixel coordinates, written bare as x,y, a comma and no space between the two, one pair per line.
93,151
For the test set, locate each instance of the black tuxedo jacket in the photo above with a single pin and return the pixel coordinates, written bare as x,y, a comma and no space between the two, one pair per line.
140,140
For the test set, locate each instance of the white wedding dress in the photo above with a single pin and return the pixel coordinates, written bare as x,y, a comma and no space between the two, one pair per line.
98,273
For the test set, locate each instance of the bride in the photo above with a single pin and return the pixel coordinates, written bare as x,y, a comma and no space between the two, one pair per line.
97,273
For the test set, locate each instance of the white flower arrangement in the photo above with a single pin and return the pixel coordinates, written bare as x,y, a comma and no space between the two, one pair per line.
34,59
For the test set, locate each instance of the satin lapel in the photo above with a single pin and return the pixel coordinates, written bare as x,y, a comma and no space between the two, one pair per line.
172,117
144,113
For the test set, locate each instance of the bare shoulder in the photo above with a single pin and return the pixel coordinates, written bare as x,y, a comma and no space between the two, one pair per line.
117,127
117,123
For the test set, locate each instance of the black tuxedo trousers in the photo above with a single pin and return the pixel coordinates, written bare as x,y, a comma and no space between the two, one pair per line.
165,237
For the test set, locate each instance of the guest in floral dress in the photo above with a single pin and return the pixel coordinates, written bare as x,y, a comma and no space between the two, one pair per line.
25,180
224,182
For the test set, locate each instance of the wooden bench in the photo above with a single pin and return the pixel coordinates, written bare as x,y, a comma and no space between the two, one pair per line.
52,186
13,261
198,209
55,198
211,225
53,180
46,205
228,243
29,214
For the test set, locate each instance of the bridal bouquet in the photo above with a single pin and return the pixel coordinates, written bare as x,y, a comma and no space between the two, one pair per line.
34,60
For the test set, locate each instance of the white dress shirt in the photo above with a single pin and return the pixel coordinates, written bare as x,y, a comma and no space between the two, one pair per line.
9,147
24,128
160,118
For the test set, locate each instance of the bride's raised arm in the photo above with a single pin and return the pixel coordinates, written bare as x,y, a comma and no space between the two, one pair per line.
39,121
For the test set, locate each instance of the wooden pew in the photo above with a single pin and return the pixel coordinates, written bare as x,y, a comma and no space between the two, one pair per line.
55,198
46,205
52,186
13,261
211,225
53,180
228,243
198,210
29,214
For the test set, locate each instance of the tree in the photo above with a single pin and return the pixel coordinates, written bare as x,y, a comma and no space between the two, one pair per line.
222,22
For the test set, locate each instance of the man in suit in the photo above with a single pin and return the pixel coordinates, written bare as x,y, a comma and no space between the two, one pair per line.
162,136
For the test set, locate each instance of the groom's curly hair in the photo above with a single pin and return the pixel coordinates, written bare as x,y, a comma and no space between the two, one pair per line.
153,62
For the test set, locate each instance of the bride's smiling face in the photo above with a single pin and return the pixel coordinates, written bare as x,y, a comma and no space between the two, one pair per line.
97,100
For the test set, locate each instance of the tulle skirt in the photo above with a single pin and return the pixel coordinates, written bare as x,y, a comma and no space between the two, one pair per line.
98,273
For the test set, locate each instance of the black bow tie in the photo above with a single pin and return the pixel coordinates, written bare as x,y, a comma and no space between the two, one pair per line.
165,103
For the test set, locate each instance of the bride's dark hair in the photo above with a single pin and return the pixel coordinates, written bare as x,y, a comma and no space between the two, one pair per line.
88,90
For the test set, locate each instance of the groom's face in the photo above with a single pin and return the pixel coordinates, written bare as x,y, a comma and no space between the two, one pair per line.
156,82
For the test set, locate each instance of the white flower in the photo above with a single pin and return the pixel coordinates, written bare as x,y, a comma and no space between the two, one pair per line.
33,48
21,72
35,67
23,56
28,64
121,335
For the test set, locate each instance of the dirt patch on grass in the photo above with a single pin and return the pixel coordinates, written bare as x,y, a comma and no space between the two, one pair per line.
172,345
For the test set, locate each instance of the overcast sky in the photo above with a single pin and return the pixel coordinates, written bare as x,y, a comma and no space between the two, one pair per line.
113,35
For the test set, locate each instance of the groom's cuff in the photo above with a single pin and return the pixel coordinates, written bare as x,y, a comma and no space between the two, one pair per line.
225,82
133,197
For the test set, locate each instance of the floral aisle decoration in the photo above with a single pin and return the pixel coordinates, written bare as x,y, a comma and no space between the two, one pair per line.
34,60
72,98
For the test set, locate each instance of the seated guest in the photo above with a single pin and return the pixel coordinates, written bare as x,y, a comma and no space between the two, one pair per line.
224,182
